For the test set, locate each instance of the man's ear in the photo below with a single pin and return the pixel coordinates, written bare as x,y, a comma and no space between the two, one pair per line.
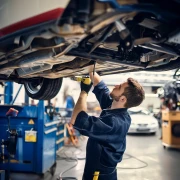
123,99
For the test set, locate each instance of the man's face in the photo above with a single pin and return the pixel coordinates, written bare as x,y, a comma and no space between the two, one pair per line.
118,90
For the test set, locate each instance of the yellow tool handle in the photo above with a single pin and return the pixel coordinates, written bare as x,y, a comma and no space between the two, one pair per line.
85,80
96,175
77,78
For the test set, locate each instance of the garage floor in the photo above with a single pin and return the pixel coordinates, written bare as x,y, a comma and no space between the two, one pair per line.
145,159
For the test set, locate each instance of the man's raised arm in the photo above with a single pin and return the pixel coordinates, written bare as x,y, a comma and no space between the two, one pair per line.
101,91
81,104
96,79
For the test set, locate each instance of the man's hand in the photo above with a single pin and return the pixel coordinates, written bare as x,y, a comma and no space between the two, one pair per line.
86,87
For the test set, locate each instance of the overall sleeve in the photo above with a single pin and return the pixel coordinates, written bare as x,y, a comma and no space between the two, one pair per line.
103,95
93,127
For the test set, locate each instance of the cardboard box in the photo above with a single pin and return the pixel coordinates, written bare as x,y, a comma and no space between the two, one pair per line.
169,120
171,115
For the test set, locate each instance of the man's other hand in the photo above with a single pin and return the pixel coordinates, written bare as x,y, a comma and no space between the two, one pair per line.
86,87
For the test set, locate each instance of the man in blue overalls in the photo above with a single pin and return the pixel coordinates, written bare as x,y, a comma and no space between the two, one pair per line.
107,133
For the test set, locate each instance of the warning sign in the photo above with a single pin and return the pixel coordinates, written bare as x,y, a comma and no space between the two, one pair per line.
31,121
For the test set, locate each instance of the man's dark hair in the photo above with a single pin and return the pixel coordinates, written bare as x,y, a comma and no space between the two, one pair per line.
134,93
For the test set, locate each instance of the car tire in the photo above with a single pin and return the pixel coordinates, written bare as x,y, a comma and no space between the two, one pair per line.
46,89
154,133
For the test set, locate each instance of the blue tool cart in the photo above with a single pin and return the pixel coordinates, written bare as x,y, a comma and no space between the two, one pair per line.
60,136
36,139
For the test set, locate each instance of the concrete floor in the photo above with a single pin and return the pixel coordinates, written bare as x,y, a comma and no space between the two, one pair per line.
162,164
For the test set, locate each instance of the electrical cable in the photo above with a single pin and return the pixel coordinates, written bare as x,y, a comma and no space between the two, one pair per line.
130,156
75,159
72,159
124,158
63,178
69,159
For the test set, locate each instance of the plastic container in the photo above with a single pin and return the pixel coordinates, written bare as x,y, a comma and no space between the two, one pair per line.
30,136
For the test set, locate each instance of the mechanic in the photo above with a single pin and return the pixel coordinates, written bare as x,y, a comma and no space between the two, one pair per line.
107,133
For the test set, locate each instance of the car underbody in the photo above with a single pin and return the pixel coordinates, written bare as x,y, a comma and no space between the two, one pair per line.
110,36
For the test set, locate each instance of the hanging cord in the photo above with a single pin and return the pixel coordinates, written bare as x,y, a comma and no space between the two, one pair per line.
129,157
68,178
69,159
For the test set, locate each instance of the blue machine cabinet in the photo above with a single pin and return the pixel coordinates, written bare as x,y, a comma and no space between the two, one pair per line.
2,175
36,157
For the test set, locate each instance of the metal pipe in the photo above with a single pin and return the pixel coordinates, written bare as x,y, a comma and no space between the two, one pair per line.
50,130
51,123
68,48
106,58
120,26
159,48
103,21
103,37
12,102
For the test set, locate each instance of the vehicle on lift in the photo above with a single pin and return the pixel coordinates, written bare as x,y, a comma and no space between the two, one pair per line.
41,41
142,121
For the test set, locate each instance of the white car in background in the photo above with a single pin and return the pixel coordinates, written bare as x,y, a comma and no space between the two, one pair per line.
142,121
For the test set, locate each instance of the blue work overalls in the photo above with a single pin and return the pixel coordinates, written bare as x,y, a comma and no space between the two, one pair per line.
107,136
